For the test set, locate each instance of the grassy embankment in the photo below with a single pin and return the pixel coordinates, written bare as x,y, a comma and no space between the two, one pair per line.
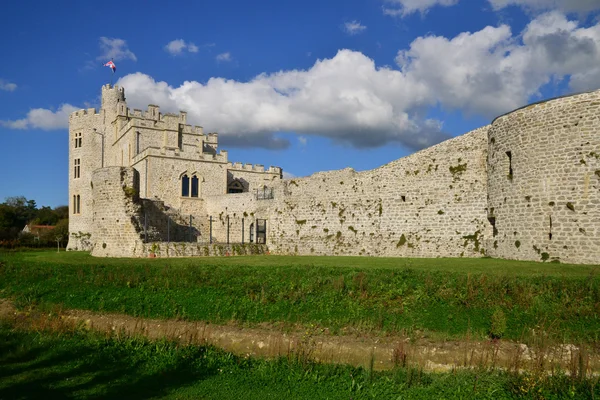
441,298
67,363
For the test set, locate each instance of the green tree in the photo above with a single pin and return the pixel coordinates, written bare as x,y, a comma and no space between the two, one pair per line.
61,231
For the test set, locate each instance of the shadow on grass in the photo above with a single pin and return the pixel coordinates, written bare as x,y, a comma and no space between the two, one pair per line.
78,367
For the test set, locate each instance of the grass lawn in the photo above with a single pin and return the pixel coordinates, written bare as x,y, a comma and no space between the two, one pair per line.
447,298
82,365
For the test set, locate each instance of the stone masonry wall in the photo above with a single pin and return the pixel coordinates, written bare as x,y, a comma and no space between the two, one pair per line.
253,177
545,197
116,230
233,208
430,204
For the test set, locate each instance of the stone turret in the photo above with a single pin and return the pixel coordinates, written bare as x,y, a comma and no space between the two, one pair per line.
113,101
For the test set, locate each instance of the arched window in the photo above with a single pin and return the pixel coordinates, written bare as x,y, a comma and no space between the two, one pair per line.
252,232
194,186
185,186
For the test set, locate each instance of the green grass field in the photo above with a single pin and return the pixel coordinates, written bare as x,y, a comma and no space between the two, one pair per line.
81,365
441,298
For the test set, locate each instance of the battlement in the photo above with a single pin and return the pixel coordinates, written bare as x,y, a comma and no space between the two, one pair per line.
238,166
212,138
84,112
193,130
174,152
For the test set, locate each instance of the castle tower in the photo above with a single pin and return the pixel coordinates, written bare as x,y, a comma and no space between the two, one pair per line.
544,176
113,102
87,152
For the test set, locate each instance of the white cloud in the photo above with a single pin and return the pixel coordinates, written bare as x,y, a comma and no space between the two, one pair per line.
349,99
302,140
354,27
406,7
178,46
224,57
346,98
42,118
7,86
490,72
113,48
578,6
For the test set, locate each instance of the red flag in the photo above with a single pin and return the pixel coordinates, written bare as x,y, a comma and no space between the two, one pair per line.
112,66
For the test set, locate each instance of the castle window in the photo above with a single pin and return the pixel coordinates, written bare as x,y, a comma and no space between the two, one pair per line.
194,186
78,140
185,186
138,137
77,168
510,168
235,187
76,204
492,221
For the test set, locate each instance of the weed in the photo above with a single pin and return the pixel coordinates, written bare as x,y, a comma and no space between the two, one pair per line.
498,324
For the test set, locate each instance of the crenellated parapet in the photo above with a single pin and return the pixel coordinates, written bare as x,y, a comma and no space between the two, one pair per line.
238,166
83,113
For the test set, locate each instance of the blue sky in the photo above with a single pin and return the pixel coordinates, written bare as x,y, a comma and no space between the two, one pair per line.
308,86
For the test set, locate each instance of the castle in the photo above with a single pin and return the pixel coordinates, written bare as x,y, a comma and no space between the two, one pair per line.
526,187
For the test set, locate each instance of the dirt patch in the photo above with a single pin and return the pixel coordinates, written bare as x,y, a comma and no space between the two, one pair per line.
379,352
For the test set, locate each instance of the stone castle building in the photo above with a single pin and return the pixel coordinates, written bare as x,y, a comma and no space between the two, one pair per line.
526,187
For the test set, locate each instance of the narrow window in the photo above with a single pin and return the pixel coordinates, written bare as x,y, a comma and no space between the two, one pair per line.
137,143
510,168
550,229
252,232
185,186
194,186
403,198
76,203
77,170
493,223
180,140
78,140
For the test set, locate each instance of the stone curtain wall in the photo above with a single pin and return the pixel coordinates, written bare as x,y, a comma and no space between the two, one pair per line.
116,230
429,204
549,207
